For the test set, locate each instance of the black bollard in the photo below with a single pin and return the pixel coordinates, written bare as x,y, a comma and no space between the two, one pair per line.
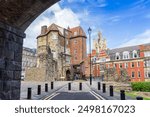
52,85
69,86
104,88
99,86
39,90
111,90
46,87
80,86
122,94
29,93
139,98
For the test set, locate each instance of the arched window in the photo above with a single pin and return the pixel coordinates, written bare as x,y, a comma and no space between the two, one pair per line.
117,56
126,55
135,54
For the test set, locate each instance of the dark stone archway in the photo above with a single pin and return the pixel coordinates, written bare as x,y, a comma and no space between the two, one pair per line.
15,17
68,75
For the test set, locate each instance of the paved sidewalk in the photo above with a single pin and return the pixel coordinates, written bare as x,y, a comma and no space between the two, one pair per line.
106,95
33,85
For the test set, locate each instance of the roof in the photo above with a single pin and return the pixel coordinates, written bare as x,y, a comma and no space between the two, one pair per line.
33,50
79,31
54,27
119,50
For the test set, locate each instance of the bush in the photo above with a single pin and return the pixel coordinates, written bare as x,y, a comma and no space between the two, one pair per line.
141,86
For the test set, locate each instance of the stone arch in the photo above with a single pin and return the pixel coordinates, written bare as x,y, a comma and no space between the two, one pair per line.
15,17
68,75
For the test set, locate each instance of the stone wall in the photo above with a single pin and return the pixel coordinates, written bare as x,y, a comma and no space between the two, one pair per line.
35,74
11,41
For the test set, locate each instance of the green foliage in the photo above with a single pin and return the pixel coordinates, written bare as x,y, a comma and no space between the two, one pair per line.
141,86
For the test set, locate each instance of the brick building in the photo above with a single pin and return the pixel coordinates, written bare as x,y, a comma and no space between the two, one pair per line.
129,59
134,60
78,50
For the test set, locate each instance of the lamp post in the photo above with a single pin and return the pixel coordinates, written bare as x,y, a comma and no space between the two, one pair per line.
89,31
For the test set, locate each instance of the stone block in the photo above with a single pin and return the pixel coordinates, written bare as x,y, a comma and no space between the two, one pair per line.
9,55
7,75
18,57
6,85
15,84
1,42
12,65
15,94
9,65
1,33
2,63
1,85
17,75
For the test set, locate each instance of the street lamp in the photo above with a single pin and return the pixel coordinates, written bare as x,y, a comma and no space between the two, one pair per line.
89,31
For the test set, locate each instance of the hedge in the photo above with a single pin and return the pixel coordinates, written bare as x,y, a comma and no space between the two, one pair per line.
141,86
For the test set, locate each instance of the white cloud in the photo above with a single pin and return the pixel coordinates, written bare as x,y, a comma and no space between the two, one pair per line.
138,39
55,14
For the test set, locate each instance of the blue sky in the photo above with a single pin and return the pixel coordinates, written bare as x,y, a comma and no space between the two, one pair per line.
122,22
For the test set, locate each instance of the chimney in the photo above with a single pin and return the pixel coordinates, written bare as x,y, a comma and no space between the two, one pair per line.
43,29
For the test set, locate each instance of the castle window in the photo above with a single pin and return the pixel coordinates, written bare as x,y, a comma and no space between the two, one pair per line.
75,33
117,56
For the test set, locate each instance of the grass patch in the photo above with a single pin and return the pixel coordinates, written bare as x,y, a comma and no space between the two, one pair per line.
141,86
134,94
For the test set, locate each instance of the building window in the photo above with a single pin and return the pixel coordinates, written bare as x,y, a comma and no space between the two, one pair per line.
125,65
133,75
147,54
117,56
75,33
147,74
115,65
132,64
139,74
135,55
120,65
138,64
75,52
75,58
126,55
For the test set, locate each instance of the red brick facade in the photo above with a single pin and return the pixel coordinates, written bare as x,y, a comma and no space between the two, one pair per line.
78,50
133,64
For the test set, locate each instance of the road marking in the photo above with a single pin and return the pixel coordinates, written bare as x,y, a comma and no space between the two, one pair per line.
51,96
99,97
54,96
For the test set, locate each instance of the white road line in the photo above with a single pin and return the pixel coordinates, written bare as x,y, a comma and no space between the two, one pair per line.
95,95
99,97
53,96
49,96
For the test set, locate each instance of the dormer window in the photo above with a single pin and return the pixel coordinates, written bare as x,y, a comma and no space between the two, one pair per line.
135,55
126,55
117,56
